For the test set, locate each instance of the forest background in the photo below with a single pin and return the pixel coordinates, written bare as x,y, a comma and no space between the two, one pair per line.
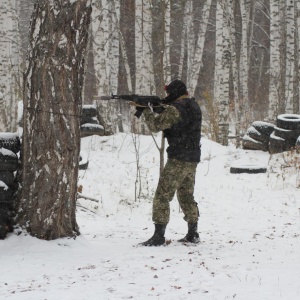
239,58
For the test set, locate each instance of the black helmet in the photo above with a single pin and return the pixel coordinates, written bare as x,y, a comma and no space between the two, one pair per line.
175,89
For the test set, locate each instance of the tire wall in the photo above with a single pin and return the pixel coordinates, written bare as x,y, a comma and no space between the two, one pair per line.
9,163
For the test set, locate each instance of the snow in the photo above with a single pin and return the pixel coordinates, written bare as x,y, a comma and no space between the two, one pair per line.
249,228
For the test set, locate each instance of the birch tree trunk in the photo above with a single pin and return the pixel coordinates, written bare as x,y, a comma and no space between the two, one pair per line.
106,58
221,89
52,108
145,81
9,67
274,61
196,57
290,57
244,58
297,71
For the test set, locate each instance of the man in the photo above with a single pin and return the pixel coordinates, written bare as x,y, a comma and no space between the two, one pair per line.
181,125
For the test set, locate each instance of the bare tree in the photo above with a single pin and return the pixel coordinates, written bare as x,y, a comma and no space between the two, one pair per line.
52,108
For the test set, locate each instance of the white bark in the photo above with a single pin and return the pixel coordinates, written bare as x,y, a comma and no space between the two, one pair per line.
244,57
9,68
196,57
274,60
106,57
290,56
298,48
143,49
167,62
221,88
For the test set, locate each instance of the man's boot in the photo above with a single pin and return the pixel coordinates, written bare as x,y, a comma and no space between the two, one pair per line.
192,235
158,237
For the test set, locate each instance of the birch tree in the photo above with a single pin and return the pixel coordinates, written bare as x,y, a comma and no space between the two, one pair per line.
196,56
222,64
9,66
105,16
290,56
274,60
52,108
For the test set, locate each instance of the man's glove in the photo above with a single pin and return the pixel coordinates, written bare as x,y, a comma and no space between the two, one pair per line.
139,111
158,109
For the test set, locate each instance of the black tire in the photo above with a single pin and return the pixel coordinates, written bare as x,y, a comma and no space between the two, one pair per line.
248,168
253,133
8,160
6,195
277,144
5,222
288,121
91,129
89,119
251,144
7,177
10,141
263,127
290,136
89,110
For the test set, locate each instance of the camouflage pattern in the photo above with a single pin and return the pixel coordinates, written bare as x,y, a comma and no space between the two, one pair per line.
165,120
177,176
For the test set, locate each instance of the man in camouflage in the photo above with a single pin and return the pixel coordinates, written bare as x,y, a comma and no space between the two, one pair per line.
181,125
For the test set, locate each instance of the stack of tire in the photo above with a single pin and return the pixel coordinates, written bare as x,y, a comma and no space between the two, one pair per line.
278,138
9,148
286,133
89,122
257,136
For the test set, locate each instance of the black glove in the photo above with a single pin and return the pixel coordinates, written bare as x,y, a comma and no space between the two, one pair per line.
139,111
158,109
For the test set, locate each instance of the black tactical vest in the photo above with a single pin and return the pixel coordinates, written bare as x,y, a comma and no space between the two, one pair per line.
184,137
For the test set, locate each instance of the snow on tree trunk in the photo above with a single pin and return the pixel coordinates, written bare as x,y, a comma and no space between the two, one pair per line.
274,61
221,80
290,57
196,57
106,57
52,108
9,67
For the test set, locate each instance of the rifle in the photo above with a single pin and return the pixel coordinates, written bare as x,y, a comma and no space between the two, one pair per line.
141,102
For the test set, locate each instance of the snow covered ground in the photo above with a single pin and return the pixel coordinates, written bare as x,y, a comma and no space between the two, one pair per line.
249,227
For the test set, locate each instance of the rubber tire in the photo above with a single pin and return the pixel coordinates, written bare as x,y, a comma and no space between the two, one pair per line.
277,144
89,110
6,195
253,133
8,160
288,121
263,127
289,135
250,144
10,141
7,177
250,169
91,129
89,119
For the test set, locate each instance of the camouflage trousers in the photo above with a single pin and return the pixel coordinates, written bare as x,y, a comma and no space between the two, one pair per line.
177,176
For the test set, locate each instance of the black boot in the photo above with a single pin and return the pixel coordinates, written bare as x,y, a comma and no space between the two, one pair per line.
158,237
192,235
